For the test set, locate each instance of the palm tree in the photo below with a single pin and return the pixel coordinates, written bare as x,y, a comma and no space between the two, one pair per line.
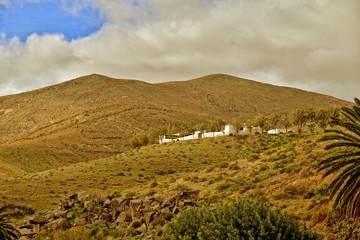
7,231
346,138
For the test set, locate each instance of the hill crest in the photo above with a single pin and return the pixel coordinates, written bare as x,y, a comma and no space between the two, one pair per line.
95,116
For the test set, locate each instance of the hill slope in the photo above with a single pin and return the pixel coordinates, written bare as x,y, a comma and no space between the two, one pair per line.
95,116
281,168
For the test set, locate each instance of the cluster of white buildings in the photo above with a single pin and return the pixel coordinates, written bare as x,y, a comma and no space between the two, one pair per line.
228,130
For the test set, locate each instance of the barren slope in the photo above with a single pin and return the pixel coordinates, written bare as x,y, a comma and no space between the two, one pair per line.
95,116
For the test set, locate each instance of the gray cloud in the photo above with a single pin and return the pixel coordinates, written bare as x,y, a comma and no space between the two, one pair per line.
307,44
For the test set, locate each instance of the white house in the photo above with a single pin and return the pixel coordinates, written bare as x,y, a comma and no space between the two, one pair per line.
276,131
227,131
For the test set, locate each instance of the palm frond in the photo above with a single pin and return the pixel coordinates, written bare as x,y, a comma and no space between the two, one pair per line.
345,137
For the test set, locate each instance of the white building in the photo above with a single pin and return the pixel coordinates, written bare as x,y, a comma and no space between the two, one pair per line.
228,131
276,131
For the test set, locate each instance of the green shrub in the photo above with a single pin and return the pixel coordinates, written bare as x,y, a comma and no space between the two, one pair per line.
141,139
245,219
342,227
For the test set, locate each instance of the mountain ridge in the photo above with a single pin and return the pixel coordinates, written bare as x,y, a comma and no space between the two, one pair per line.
95,116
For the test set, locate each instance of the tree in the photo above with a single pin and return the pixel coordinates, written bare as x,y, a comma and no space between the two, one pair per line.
285,121
322,117
311,119
7,231
299,118
259,121
215,125
273,120
345,137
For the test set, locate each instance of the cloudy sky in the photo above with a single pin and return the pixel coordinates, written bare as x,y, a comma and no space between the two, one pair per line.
308,44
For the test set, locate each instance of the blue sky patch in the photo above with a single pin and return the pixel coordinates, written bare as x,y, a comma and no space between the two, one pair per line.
23,19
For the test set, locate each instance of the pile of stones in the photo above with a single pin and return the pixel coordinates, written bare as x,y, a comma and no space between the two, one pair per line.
129,216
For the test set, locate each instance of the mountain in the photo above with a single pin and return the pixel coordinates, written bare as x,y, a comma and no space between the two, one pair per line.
95,116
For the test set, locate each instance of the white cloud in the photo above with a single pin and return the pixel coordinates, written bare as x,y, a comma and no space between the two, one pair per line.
312,44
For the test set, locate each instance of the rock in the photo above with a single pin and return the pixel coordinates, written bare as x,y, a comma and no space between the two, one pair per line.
124,217
74,197
36,228
79,222
159,220
60,223
64,205
50,217
100,223
175,210
106,217
114,203
26,232
124,204
190,194
82,197
149,217
142,228
39,220
107,203
136,204
135,223
136,214
89,205
24,238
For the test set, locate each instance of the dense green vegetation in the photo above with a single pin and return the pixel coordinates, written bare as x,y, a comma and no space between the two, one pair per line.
245,219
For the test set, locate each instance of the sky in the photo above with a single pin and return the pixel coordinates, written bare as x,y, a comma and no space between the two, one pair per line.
308,44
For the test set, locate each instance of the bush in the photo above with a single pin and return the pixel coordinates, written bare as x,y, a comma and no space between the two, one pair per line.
141,139
342,227
245,219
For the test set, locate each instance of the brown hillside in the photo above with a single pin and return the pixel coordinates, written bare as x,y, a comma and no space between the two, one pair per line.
95,116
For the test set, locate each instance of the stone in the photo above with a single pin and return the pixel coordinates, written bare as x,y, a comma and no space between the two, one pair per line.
136,204
60,223
114,203
135,223
24,238
136,214
64,205
36,228
82,197
175,210
142,228
124,204
26,232
106,217
149,217
89,205
124,217
39,220
100,223
107,203
159,220
79,222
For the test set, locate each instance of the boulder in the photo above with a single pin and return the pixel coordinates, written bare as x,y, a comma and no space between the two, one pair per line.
89,205
135,223
82,197
60,223
159,220
106,217
26,232
39,220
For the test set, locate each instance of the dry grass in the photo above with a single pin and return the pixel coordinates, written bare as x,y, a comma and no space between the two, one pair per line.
220,168
94,116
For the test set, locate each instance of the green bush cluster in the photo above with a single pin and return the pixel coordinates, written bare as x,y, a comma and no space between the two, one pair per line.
245,219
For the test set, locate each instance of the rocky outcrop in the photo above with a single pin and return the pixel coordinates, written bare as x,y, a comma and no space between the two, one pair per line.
130,216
